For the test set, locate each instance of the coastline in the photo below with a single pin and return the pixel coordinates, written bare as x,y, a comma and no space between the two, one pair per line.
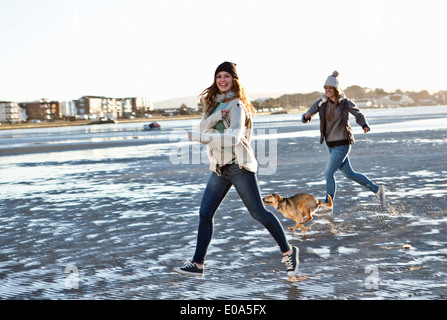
62,123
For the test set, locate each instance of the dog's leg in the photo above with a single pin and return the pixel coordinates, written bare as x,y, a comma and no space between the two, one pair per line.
308,214
304,229
308,218
299,225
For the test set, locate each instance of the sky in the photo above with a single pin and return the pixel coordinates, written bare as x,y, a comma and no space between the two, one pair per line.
64,49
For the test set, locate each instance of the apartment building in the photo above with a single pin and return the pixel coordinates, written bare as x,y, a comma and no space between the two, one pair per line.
136,106
11,112
87,107
69,109
93,107
44,110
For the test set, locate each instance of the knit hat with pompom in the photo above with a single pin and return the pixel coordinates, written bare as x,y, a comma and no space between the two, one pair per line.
332,80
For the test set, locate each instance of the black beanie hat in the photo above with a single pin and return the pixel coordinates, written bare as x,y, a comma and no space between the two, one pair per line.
229,67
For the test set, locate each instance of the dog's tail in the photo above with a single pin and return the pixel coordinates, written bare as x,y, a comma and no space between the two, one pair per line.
328,204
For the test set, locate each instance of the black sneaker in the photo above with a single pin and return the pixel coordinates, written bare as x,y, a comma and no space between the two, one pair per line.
292,262
190,269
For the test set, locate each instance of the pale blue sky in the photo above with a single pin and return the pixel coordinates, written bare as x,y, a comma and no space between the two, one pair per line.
63,49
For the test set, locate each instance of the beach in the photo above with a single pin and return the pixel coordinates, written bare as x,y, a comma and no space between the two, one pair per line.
106,211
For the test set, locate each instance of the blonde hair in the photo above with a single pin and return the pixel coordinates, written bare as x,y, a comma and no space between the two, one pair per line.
207,97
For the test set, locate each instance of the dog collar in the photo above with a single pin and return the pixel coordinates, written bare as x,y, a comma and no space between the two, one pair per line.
280,204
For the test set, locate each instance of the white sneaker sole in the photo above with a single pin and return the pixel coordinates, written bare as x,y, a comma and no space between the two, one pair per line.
186,273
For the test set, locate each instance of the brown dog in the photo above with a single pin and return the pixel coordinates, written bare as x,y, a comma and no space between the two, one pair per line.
299,206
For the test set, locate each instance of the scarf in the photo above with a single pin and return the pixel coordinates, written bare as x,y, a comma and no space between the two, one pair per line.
224,97
330,111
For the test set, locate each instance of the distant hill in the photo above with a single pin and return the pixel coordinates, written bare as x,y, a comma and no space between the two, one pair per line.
272,100
191,101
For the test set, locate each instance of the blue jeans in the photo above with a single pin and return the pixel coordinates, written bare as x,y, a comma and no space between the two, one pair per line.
339,159
246,185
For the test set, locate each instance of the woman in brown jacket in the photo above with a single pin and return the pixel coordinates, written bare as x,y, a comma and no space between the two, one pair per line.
334,109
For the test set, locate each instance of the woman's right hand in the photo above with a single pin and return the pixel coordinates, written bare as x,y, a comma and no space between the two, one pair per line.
307,116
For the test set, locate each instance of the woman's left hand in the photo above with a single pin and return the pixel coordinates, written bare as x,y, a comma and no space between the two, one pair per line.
225,113
366,129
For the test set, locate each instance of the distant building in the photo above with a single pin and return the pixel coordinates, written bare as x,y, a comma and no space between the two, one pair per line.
398,100
93,107
11,112
43,110
69,109
127,108
87,107
136,106
364,103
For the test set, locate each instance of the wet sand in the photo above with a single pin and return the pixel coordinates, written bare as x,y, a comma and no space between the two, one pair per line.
114,229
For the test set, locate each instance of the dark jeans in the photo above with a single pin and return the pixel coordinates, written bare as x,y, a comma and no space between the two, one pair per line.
246,185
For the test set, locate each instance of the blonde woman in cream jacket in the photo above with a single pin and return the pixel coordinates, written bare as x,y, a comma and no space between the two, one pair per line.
226,129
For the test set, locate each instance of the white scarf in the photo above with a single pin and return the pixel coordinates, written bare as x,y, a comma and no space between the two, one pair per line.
324,99
224,97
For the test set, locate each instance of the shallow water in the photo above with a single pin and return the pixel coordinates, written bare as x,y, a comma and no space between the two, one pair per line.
106,212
